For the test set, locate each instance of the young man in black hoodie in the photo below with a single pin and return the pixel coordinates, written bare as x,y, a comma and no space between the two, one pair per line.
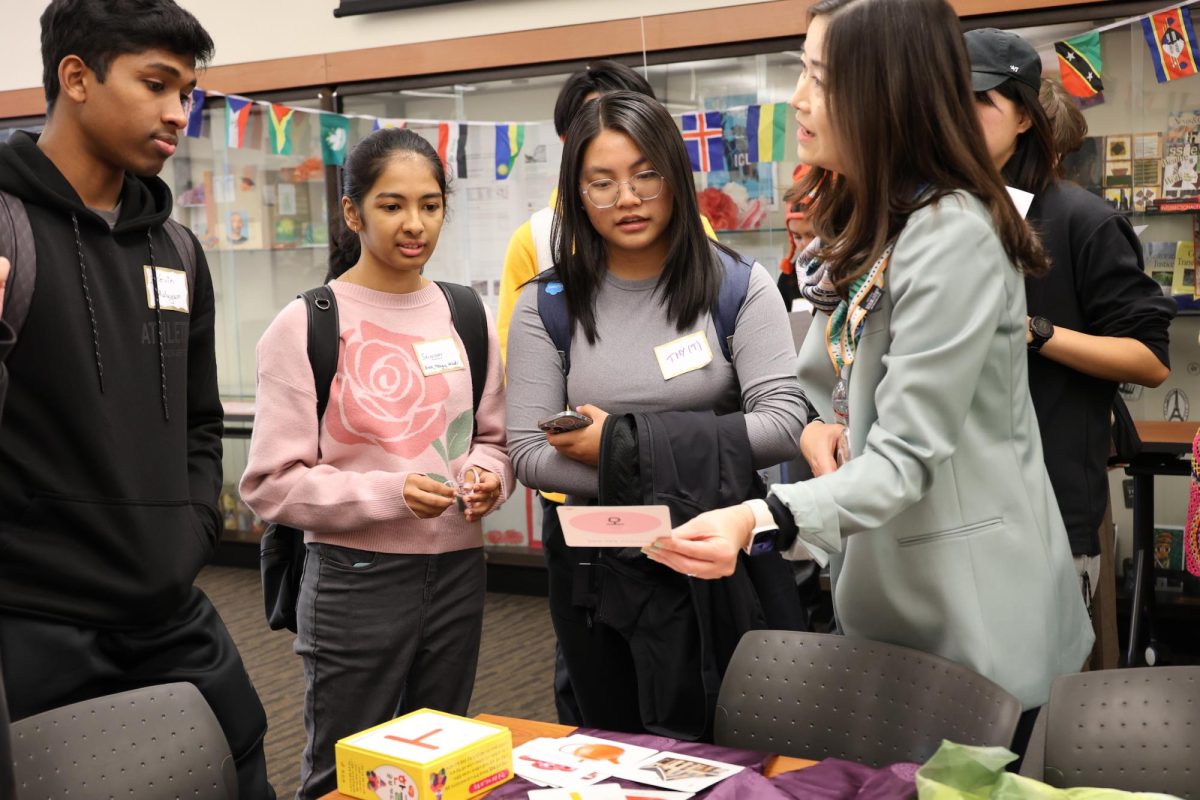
8,787
110,451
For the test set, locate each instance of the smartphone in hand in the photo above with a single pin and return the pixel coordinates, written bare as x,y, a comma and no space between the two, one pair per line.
565,421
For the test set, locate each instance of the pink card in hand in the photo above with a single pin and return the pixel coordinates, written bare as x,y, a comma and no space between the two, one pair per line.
613,526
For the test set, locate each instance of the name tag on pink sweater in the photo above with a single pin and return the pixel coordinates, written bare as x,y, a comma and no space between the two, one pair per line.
438,356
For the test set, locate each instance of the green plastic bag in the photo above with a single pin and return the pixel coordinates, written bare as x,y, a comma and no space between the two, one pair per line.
963,772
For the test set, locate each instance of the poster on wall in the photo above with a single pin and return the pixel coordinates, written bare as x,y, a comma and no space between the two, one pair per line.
1181,155
1118,163
737,198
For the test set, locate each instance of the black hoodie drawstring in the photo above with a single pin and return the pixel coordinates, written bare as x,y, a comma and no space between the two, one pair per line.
87,296
162,359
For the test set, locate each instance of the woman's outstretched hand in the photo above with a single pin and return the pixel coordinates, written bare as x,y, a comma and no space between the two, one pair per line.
707,546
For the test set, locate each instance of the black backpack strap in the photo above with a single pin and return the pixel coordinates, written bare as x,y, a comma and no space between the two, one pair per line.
735,284
17,245
323,338
552,308
466,312
185,246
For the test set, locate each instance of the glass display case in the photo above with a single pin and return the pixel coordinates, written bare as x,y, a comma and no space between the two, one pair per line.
263,212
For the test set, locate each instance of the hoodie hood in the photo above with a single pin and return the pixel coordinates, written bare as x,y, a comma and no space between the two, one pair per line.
26,173
29,175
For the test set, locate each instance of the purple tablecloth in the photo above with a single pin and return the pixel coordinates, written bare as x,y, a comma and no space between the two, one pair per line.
831,779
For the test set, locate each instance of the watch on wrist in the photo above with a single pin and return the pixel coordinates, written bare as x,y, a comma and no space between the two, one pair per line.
762,538
1041,329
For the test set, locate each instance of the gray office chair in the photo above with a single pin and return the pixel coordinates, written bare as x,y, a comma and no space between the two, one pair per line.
157,743
1131,729
816,695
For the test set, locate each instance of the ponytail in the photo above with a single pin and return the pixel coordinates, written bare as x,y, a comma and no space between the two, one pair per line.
344,251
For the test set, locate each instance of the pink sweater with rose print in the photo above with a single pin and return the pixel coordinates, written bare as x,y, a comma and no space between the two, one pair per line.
385,419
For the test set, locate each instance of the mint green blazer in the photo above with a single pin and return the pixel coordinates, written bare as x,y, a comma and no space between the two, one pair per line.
942,531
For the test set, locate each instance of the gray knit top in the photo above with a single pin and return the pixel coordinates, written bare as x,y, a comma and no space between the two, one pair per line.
621,374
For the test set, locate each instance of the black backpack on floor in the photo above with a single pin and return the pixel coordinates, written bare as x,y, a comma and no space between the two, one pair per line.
282,552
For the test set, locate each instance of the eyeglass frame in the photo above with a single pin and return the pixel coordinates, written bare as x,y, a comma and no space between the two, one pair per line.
590,199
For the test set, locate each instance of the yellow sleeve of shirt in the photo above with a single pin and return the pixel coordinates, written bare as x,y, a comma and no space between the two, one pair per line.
520,265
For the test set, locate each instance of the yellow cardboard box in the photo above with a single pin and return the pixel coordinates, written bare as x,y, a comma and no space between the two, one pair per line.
425,755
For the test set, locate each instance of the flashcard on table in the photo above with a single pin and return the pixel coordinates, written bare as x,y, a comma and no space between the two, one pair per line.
653,794
601,791
542,765
613,526
591,748
678,772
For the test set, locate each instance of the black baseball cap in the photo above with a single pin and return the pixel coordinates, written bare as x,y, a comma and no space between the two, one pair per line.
998,55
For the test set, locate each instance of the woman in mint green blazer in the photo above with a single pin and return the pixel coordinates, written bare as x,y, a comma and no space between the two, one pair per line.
931,503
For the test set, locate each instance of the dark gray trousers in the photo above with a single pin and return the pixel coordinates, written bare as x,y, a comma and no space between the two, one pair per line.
48,664
382,635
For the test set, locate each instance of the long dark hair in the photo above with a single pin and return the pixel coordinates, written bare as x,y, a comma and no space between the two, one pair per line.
909,128
1034,164
691,275
598,77
364,165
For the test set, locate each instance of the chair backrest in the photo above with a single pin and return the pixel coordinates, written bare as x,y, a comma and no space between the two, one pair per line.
1131,729
815,695
160,741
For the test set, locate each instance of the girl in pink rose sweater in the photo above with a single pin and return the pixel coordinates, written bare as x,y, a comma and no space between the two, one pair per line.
391,601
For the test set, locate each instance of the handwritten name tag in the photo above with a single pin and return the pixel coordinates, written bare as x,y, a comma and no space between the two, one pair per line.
172,288
438,356
686,354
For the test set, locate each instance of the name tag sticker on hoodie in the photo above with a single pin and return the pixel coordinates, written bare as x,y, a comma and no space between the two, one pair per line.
172,288
685,354
438,356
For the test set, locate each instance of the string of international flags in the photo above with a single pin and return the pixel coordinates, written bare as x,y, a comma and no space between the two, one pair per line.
703,133
1168,33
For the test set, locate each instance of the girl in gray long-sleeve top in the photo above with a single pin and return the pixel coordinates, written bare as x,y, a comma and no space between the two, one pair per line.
640,274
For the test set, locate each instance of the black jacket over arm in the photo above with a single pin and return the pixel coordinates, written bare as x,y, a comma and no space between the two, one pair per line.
691,462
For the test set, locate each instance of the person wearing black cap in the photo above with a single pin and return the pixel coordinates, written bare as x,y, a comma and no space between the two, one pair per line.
1096,319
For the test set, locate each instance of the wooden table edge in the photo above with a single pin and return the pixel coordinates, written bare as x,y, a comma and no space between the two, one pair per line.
524,730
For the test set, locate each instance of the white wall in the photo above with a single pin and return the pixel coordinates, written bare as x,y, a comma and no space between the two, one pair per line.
266,29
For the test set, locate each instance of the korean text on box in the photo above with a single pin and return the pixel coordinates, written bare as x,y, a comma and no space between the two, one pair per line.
425,755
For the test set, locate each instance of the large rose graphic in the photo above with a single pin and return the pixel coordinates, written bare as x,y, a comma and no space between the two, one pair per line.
382,396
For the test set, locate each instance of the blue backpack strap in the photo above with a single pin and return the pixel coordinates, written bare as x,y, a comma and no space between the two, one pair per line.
735,283
552,308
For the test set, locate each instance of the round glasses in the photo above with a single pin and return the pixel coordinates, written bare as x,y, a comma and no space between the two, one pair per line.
605,192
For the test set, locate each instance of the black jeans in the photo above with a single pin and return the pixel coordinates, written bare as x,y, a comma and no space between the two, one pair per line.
50,664
382,634
564,695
